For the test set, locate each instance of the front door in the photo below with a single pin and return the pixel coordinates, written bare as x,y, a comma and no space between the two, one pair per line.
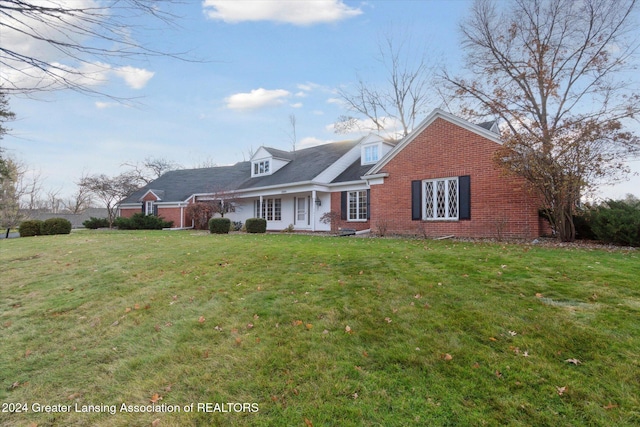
301,211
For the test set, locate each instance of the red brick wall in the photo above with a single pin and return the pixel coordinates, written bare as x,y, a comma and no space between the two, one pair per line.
128,213
341,223
501,206
171,214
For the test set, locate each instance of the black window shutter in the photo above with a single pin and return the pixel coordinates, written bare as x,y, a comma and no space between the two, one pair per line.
368,204
464,184
343,205
155,210
416,200
143,212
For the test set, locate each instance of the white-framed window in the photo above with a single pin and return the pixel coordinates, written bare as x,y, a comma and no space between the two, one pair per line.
261,168
357,205
371,154
148,207
440,199
271,209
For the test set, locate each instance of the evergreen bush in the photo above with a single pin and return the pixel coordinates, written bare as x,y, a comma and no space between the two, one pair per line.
53,226
94,223
617,222
256,225
219,225
30,228
140,221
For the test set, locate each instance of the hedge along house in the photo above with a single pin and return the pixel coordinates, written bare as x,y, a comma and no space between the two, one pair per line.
439,180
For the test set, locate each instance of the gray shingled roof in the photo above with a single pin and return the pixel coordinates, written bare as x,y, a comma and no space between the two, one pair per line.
487,125
305,165
178,185
353,172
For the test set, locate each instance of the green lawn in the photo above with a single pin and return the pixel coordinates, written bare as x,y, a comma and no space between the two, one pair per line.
294,330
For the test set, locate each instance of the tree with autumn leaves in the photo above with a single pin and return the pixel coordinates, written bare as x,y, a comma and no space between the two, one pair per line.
558,75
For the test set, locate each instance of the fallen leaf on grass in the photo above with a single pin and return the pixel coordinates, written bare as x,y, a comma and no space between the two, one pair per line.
348,330
513,333
561,390
308,422
308,326
155,398
136,306
249,325
493,339
27,353
538,295
447,357
574,361
388,320
610,406
127,310
155,423
297,323
201,319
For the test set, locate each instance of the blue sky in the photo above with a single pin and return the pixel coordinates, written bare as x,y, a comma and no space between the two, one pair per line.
260,63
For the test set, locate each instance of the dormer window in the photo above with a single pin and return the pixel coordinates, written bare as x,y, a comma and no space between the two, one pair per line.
261,168
370,154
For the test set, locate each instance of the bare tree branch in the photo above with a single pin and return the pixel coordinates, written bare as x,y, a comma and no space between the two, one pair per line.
556,73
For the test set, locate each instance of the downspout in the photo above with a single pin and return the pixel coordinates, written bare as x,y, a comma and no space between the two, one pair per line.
260,210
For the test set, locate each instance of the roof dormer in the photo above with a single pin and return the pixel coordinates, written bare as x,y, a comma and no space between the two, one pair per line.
372,148
266,161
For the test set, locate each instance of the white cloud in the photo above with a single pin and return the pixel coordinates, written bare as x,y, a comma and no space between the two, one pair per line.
102,105
257,98
291,12
335,101
296,105
135,78
301,94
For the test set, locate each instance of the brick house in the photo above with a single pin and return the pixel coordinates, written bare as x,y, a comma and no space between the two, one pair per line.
440,180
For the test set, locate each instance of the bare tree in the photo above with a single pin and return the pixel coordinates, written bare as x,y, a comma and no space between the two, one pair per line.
79,201
110,190
402,99
293,136
554,72
150,169
73,45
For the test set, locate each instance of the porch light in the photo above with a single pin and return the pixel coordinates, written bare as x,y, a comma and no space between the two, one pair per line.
318,202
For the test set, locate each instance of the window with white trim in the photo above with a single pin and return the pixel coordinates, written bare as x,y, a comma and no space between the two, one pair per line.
440,199
357,205
271,209
148,208
261,168
371,154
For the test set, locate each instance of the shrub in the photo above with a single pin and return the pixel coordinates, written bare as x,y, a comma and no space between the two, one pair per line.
236,225
219,225
140,221
256,225
53,226
94,223
617,222
30,228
